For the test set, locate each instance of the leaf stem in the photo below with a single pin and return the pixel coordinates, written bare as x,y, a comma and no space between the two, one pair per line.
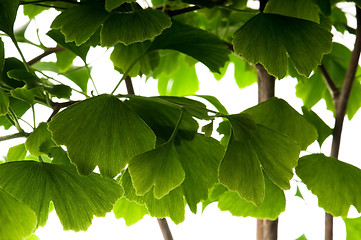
91,78
33,110
14,119
21,53
47,52
15,135
331,85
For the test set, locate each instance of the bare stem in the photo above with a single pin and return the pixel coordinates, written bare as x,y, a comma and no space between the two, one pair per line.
331,85
47,52
58,106
167,235
129,84
15,135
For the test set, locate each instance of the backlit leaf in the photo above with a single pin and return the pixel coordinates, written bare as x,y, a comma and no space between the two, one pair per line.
8,10
130,211
19,107
16,153
101,131
76,198
18,221
267,38
39,142
353,228
336,184
113,4
4,103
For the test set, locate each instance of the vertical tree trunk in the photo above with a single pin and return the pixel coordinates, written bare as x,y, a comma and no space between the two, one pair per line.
266,229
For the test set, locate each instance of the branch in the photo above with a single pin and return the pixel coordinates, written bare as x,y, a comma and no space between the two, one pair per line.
172,13
331,85
15,135
129,85
47,52
167,235
58,106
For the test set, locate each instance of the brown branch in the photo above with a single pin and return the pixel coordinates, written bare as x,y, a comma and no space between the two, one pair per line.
167,235
15,135
58,106
47,52
129,85
331,85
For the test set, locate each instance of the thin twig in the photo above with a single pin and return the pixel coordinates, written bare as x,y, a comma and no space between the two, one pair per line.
167,235
172,13
58,106
331,85
15,135
47,52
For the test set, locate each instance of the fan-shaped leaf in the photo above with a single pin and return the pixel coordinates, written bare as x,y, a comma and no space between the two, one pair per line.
353,229
267,38
101,131
76,198
335,183
130,211
113,4
8,10
4,103
18,221
39,142
16,153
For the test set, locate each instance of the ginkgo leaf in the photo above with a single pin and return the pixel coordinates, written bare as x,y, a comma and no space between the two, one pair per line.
353,228
2,56
76,198
9,65
8,10
130,211
243,125
133,26
39,142
273,204
267,38
278,115
101,131
193,42
18,220
19,107
113,4
336,184
159,167
16,153
4,103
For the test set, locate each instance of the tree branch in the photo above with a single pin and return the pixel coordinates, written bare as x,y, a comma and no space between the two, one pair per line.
331,85
172,13
129,85
167,235
15,135
47,52
58,106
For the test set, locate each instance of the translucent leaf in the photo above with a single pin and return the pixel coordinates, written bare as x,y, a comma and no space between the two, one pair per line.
353,228
304,9
336,184
76,198
8,10
80,23
193,42
24,94
39,142
33,237
298,193
130,211
243,74
4,103
215,102
311,90
135,26
303,237
274,203
16,153
18,221
19,107
267,38
159,167
323,129
32,10
113,4
93,138
64,60
278,115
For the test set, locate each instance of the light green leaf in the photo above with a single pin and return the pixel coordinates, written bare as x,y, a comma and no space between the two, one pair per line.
304,9
8,10
24,94
80,23
244,74
4,103
39,142
33,237
32,10
274,203
353,228
113,4
193,42
311,90
215,102
18,221
135,26
64,60
336,184
159,167
19,107
101,131
278,115
130,211
323,129
303,237
16,153
298,193
76,198
243,125
267,38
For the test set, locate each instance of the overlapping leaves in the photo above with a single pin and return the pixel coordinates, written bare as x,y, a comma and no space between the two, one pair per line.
76,198
8,10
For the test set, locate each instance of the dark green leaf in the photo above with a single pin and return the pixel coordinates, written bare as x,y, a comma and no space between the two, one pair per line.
8,10
208,129
22,75
323,129
16,153
76,198
193,42
267,38
93,138
130,211
324,5
113,4
2,56
19,107
59,91
353,228
278,115
336,184
4,103
39,142
11,64
18,221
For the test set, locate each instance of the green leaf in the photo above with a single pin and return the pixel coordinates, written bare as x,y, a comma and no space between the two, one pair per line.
267,38
323,129
80,23
311,90
8,10
18,221
11,64
64,60
76,198
278,115
19,107
32,10
298,193
113,4
303,9
33,237
244,74
336,184
324,5
215,102
134,59
159,167
4,103
22,75
193,42
243,125
39,142
89,132
353,228
274,203
59,91
130,211
131,27
303,237
16,153
24,94
2,56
